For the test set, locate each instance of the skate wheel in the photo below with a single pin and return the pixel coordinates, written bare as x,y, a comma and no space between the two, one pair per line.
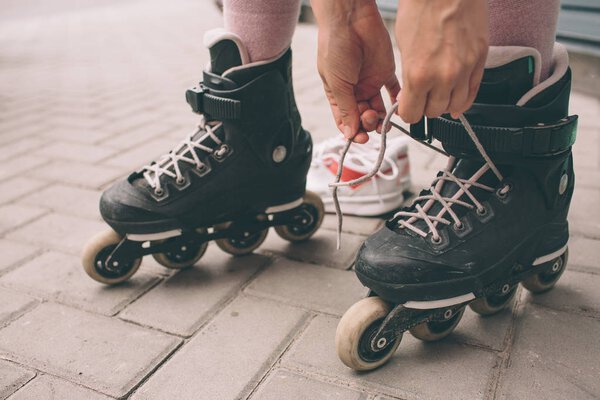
94,257
436,330
494,303
544,281
308,224
185,256
242,245
355,331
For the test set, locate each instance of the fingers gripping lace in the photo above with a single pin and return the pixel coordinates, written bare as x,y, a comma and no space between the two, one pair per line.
184,152
421,211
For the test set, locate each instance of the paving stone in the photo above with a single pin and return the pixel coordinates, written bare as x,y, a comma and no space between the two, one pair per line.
60,277
287,385
584,252
86,153
555,356
13,304
12,377
17,147
57,231
460,371
66,199
192,295
491,331
104,354
227,358
319,249
78,135
142,154
353,224
18,187
76,173
575,292
140,134
12,216
306,285
13,253
20,165
46,387
584,215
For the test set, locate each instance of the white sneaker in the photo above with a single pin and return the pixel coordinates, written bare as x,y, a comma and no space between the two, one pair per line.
380,194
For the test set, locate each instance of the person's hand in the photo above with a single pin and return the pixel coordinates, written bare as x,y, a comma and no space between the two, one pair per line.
355,60
443,46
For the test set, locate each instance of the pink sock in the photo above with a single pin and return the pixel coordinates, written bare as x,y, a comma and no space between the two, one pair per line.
265,26
529,23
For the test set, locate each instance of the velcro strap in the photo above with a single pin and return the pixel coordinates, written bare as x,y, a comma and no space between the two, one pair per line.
528,141
220,108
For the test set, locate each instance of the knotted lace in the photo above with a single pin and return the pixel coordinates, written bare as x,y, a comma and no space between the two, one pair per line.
408,219
184,152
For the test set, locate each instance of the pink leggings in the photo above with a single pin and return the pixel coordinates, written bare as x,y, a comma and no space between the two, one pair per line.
266,26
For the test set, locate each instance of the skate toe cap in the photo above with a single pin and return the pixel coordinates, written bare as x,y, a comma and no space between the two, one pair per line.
119,205
390,258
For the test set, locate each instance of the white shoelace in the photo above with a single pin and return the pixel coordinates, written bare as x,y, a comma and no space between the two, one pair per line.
421,212
168,164
359,158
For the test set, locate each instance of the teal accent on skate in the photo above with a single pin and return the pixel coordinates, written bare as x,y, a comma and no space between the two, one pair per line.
530,65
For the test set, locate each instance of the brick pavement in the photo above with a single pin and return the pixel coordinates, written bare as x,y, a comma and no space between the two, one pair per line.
92,90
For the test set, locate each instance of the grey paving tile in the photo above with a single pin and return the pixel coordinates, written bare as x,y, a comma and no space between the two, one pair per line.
21,165
13,305
227,358
287,385
575,292
584,216
12,377
67,200
188,299
25,145
15,188
13,216
555,356
86,153
307,285
353,224
60,277
76,173
491,331
320,249
14,252
140,134
584,252
85,135
45,387
142,154
104,354
460,371
60,232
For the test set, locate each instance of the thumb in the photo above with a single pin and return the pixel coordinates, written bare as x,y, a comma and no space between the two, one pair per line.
348,110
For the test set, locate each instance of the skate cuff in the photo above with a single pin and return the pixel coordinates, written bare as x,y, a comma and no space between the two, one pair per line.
220,108
546,139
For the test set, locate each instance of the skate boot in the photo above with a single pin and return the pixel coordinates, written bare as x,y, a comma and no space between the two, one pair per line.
494,217
240,172
381,194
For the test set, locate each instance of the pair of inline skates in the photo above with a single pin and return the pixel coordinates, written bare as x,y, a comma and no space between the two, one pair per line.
494,217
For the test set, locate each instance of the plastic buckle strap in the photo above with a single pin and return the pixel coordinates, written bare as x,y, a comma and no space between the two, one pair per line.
221,108
527,141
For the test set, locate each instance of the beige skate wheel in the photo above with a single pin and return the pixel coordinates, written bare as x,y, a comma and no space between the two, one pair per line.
355,331
94,256
432,331
184,257
243,245
299,233
495,303
544,281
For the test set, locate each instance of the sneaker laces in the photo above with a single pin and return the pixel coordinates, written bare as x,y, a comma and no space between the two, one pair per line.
435,196
184,152
359,158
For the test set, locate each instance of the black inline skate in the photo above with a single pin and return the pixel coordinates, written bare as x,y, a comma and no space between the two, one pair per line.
496,216
240,172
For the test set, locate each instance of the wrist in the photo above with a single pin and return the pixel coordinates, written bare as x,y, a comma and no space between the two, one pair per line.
342,12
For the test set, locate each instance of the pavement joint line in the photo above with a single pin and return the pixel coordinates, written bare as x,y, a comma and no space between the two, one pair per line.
27,368
276,254
24,223
255,382
501,366
11,267
20,313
